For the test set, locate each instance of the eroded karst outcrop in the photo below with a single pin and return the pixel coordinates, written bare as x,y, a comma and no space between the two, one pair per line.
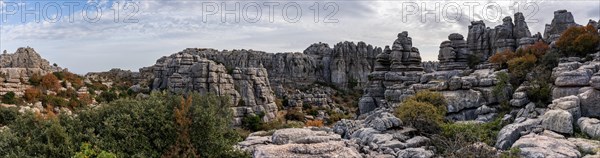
248,88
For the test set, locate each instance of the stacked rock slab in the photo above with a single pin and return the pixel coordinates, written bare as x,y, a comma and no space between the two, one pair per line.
248,88
561,21
453,54
405,57
394,68
485,42
19,66
343,65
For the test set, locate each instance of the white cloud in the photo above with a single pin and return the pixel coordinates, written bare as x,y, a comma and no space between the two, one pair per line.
167,27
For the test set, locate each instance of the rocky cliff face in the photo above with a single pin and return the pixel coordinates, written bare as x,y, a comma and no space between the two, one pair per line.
485,42
346,65
248,88
16,69
561,21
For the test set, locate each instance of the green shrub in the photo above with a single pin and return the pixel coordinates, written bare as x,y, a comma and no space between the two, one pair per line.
8,115
501,86
252,122
434,98
426,118
127,128
294,115
107,96
473,60
9,98
455,136
87,151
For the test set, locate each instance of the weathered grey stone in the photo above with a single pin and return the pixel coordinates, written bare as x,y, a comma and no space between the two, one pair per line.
510,133
570,104
595,81
325,149
547,144
580,77
590,103
463,99
559,92
559,121
589,126
415,153
586,145
302,136
561,21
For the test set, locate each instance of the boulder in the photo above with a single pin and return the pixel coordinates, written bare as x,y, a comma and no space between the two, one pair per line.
559,121
590,103
512,132
574,78
589,126
324,149
463,99
415,153
302,136
548,144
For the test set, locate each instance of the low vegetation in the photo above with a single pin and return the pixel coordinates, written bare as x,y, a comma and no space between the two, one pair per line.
578,41
425,111
161,125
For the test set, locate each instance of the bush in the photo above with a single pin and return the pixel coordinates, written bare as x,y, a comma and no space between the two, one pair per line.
35,80
9,98
578,41
107,96
520,66
541,86
127,128
473,60
502,58
314,123
87,151
434,98
454,137
426,118
8,115
50,82
294,115
252,122
32,94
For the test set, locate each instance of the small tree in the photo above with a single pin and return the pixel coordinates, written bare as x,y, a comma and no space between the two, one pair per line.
50,82
578,40
32,94
9,98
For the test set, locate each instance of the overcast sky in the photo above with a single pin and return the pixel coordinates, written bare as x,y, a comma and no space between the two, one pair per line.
75,35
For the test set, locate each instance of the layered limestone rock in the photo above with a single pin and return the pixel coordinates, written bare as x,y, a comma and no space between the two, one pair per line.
546,144
248,88
395,68
404,56
16,68
561,21
453,54
298,142
346,65
485,42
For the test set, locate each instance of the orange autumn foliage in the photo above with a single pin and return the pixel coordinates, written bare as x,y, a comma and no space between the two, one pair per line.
32,94
314,123
50,82
578,40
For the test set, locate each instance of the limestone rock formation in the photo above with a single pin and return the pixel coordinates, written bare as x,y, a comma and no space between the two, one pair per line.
395,68
485,42
561,21
16,68
298,142
453,54
404,56
248,88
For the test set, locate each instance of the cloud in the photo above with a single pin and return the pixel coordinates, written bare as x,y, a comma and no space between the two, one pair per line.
166,27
